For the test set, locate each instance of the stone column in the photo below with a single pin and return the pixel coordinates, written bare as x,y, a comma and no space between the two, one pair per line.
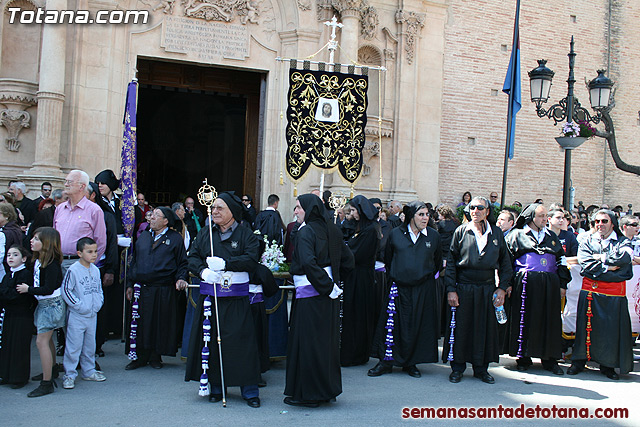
350,17
50,96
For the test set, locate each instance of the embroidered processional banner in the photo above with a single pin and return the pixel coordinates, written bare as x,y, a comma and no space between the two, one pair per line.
326,117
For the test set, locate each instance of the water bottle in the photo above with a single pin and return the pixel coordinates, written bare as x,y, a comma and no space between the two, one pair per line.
501,315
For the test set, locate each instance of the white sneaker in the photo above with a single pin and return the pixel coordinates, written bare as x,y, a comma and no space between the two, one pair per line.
68,383
97,376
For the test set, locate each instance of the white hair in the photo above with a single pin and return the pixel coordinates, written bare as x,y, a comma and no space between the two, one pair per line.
19,185
84,177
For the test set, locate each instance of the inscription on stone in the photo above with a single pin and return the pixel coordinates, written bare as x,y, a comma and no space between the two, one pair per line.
207,41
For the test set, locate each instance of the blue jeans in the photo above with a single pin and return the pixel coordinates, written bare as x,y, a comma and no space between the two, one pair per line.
247,391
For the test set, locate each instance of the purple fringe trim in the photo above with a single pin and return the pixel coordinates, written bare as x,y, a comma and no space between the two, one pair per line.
206,337
522,311
341,286
452,337
1,323
133,346
391,310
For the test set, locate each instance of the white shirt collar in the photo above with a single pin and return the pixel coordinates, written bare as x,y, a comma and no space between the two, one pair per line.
539,235
18,268
269,208
414,237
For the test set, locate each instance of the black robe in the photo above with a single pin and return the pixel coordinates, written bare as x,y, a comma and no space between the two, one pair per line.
17,328
359,299
269,223
611,341
412,267
542,332
471,274
237,330
157,266
262,276
313,353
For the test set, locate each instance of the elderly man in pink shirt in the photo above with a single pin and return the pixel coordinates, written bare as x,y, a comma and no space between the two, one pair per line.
78,217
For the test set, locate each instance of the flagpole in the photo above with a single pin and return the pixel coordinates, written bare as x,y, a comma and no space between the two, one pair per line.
512,63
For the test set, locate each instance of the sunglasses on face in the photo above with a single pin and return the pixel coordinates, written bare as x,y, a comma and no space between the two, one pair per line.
478,207
245,200
601,221
632,224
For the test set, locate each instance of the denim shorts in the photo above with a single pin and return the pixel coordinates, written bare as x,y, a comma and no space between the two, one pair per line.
50,314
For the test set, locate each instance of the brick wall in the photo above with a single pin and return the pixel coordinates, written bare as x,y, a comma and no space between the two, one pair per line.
475,64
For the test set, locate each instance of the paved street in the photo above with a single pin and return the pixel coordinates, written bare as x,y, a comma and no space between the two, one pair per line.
148,397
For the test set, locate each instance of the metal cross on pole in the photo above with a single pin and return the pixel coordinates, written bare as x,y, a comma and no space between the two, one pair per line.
333,46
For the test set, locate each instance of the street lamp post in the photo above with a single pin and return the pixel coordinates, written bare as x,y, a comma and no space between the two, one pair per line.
569,108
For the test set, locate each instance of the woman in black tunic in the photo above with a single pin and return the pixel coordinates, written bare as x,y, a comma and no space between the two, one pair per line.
313,354
410,334
17,327
358,298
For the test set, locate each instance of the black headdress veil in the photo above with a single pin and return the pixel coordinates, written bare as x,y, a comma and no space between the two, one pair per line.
315,216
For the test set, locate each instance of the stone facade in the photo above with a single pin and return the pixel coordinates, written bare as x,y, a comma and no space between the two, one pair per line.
441,129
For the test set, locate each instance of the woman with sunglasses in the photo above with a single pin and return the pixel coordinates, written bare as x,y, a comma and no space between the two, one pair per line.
540,280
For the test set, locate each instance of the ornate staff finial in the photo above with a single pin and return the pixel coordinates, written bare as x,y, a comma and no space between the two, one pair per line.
337,201
207,194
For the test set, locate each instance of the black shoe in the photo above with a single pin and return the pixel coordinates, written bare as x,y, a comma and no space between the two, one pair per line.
455,377
19,385
485,377
379,369
156,364
253,402
98,368
412,371
99,352
135,364
45,387
575,369
262,382
555,369
523,363
215,397
609,372
55,372
306,403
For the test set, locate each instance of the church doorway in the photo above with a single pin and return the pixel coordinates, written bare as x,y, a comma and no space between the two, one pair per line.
197,122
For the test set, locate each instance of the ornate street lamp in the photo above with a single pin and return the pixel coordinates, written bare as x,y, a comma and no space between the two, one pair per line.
569,109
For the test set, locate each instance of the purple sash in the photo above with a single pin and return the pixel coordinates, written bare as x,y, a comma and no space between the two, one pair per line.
235,290
306,291
256,298
532,261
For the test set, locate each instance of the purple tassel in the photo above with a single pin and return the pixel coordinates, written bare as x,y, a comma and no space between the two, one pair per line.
1,323
522,311
133,352
204,385
452,336
391,310
206,337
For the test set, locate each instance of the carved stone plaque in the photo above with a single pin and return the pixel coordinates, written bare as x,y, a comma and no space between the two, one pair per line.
207,41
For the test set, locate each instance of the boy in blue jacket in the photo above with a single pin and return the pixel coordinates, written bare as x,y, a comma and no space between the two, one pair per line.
82,291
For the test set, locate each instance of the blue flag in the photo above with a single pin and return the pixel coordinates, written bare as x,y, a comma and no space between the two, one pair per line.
128,169
512,85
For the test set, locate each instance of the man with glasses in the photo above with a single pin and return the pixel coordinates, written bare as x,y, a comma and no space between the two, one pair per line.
540,280
477,251
45,192
603,329
193,219
159,266
493,197
78,217
249,209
